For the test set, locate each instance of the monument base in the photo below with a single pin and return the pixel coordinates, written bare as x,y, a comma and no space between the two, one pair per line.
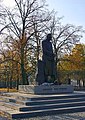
46,89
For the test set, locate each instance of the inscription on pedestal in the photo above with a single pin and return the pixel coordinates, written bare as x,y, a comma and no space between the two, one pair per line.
43,89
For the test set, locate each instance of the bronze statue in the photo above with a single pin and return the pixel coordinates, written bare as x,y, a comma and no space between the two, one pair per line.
48,60
46,67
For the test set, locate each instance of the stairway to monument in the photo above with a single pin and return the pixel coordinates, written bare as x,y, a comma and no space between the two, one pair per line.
19,105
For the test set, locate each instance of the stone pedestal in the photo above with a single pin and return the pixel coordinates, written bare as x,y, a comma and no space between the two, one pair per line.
46,89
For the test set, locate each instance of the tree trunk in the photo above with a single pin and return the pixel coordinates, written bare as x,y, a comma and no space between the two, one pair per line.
56,61
17,81
24,81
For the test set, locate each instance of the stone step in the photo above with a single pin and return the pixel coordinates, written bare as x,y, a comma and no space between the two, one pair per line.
20,107
38,97
15,114
51,106
45,97
25,97
6,112
32,105
53,101
11,105
4,98
41,102
47,112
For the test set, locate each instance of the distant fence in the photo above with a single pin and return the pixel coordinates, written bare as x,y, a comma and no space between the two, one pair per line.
3,84
77,88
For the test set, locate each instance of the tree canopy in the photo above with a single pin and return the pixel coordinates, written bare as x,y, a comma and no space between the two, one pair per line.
22,30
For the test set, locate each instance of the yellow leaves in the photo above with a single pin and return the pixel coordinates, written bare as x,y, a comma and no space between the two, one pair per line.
75,60
78,53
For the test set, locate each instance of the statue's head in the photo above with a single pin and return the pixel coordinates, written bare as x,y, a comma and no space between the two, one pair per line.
49,36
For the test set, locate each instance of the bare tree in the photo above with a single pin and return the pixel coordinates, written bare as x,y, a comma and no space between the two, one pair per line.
64,38
27,23
21,22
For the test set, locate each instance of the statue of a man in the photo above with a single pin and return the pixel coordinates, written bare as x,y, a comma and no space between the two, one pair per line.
48,59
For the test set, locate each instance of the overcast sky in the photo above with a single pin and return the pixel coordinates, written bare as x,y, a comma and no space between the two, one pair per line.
72,10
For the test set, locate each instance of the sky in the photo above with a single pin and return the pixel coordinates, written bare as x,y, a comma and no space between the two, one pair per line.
72,10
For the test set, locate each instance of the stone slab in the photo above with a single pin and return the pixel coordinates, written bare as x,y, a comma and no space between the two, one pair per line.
46,89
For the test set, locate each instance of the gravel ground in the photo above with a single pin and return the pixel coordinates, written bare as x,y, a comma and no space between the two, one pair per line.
74,116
